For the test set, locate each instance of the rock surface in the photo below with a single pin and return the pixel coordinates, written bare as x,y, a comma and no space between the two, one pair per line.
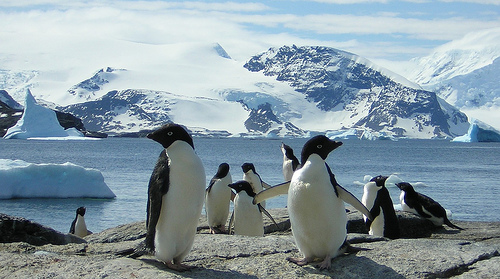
424,253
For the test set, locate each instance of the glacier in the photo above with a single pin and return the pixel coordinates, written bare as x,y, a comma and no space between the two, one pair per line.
39,122
21,179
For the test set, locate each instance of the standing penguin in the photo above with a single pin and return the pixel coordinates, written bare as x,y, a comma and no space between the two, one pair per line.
290,162
217,198
175,197
247,215
423,205
250,175
377,199
316,205
78,226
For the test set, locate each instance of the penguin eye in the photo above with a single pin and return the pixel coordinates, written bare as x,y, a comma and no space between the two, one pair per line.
319,146
170,133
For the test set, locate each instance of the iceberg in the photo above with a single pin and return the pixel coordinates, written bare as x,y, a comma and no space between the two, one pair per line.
479,132
38,122
21,179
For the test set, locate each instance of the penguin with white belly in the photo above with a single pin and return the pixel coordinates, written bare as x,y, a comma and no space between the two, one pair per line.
217,199
247,216
290,162
316,205
250,175
423,205
78,226
175,198
377,199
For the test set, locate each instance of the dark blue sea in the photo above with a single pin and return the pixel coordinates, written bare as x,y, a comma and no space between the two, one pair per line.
463,177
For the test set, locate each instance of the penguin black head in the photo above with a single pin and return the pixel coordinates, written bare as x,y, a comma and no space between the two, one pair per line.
80,211
222,171
169,133
247,167
320,145
242,185
379,180
288,150
405,186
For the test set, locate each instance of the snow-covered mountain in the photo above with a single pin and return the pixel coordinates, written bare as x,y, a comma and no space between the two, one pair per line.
287,91
465,73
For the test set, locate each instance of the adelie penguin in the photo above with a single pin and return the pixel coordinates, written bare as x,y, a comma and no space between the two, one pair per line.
290,162
250,175
217,199
316,205
78,226
247,216
175,198
423,205
377,199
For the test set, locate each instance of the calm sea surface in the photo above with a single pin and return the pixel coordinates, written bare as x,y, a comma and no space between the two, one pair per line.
463,177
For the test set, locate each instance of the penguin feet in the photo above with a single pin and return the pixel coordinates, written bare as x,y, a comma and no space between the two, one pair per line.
326,263
178,266
299,261
218,230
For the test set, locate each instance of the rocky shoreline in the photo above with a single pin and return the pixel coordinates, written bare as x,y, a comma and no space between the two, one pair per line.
423,252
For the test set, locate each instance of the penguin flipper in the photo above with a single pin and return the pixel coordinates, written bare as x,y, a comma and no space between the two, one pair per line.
280,189
72,228
352,200
263,210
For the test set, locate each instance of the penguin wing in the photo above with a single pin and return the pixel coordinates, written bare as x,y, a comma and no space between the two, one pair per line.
263,210
72,228
212,182
280,189
352,200
158,186
431,206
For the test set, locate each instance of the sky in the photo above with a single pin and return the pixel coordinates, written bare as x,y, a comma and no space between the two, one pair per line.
383,31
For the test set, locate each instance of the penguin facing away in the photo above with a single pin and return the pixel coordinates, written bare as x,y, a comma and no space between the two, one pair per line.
247,216
290,162
377,199
175,197
316,205
217,199
250,175
423,205
78,226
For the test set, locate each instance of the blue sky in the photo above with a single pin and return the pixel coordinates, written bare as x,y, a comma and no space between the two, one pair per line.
380,30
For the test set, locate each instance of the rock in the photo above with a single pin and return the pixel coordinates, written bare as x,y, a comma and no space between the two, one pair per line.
17,229
472,253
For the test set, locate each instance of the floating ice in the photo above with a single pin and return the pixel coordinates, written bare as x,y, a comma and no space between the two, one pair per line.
479,132
20,179
38,122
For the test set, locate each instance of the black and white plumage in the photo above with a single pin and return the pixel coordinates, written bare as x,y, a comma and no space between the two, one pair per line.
290,162
423,205
316,205
377,199
250,175
175,197
247,216
217,199
78,226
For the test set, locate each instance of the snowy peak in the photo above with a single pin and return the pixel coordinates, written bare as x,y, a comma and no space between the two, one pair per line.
86,90
459,57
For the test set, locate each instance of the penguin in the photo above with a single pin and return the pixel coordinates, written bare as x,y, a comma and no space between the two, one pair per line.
423,205
217,198
247,216
250,175
290,162
175,197
316,205
377,199
78,226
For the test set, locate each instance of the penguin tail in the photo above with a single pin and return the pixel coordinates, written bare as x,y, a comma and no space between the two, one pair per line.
136,252
449,224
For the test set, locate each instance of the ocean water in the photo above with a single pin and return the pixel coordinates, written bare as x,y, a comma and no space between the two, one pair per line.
463,177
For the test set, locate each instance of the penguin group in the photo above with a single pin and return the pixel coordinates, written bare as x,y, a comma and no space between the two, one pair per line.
315,202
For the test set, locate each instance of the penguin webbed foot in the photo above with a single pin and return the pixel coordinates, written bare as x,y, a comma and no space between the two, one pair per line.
178,266
218,230
299,261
